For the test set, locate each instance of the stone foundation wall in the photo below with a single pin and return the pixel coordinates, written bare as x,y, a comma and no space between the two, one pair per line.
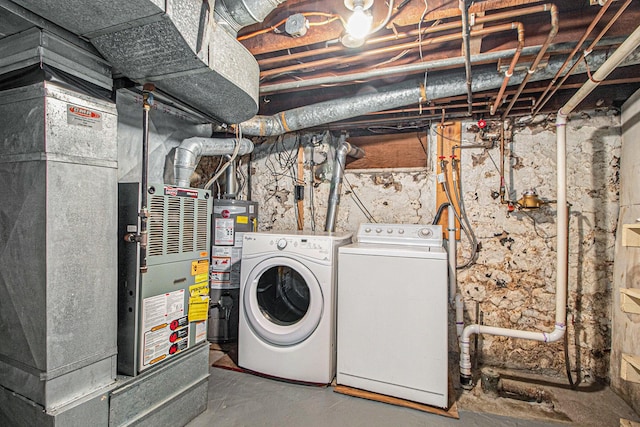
513,280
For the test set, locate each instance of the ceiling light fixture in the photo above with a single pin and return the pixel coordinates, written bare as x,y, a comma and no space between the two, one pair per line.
359,23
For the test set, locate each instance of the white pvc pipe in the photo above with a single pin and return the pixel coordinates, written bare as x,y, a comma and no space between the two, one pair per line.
459,315
629,45
452,249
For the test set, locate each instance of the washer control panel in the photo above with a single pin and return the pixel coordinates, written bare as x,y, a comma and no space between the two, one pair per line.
400,234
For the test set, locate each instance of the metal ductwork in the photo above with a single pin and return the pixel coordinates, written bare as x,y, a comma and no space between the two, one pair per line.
439,85
189,152
321,113
344,149
242,13
175,44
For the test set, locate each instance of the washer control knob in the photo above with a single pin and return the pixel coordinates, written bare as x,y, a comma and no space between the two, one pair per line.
389,230
367,230
282,243
401,231
425,233
378,230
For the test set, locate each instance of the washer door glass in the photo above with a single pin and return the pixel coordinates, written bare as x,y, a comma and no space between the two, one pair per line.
283,301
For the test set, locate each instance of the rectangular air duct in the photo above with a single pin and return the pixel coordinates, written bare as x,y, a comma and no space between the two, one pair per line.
58,258
175,44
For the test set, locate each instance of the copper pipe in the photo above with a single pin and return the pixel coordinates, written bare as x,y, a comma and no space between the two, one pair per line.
388,49
502,182
553,10
512,66
572,54
391,37
584,54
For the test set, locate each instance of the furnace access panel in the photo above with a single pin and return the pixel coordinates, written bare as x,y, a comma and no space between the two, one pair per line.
163,311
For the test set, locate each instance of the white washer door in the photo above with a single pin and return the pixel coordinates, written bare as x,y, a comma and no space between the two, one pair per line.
283,301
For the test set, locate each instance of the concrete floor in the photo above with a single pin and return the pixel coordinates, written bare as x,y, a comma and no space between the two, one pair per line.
242,399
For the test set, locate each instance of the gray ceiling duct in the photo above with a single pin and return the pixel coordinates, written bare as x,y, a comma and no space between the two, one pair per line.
176,44
439,85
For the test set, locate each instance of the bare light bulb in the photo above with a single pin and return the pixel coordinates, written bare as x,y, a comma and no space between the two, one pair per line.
359,23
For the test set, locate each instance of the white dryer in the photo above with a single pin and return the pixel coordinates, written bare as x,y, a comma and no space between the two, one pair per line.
288,317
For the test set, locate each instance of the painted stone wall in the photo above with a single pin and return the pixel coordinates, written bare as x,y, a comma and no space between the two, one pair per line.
513,280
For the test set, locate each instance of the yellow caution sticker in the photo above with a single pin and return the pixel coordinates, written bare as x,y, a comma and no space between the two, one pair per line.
200,266
242,219
198,308
199,289
201,278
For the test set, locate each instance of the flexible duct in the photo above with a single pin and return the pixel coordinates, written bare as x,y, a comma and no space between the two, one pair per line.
331,111
188,154
625,49
441,85
344,149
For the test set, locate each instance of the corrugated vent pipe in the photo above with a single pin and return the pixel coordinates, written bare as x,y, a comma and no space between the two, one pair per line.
188,154
308,116
625,49
344,149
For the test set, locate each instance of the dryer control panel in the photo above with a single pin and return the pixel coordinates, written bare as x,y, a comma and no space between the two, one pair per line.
400,234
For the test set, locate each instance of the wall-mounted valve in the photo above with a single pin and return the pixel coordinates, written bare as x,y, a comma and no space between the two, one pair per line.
530,200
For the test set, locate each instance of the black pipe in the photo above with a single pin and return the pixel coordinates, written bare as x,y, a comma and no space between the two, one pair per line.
147,101
441,208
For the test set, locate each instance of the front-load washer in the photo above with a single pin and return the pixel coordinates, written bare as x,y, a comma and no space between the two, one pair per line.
287,321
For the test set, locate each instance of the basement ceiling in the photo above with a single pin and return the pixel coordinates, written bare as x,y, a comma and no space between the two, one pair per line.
422,41
423,35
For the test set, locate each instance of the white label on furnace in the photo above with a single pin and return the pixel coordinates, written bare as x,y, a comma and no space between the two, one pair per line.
201,331
224,231
157,313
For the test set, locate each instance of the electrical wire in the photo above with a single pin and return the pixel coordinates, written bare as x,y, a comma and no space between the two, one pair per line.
232,159
384,22
243,178
354,197
463,226
331,17
457,192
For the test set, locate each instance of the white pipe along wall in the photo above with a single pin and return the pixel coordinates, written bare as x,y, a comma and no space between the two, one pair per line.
629,45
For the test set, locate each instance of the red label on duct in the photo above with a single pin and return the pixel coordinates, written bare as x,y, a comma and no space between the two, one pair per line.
83,112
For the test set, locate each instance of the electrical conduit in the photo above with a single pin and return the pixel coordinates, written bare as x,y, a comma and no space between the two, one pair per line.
625,49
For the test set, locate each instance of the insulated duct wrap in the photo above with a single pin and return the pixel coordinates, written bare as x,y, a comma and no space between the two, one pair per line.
394,96
175,44
189,152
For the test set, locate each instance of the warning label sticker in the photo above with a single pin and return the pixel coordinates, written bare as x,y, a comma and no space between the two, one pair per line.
221,263
223,233
201,331
200,266
81,116
162,316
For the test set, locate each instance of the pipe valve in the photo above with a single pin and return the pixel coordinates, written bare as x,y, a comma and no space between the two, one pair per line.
530,200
